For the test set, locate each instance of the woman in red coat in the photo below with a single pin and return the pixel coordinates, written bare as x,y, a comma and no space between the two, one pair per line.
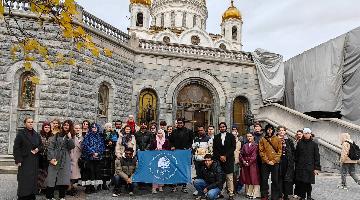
249,174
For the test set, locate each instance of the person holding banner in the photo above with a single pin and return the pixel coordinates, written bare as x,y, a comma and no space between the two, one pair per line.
124,169
224,147
210,179
160,143
182,139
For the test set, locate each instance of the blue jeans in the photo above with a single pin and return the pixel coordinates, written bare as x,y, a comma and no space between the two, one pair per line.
200,185
120,181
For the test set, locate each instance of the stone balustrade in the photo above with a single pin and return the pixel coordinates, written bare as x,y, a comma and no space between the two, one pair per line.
196,51
17,4
100,25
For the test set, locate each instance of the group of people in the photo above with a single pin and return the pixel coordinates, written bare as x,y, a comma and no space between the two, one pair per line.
67,155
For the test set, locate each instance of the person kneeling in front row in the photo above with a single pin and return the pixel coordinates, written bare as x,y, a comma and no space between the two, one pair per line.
210,179
124,169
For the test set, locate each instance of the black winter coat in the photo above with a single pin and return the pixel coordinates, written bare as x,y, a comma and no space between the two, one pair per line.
181,138
143,140
213,176
28,171
287,164
307,159
225,150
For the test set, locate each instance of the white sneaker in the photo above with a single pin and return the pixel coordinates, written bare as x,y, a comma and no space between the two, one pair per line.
161,189
131,193
195,193
154,191
115,195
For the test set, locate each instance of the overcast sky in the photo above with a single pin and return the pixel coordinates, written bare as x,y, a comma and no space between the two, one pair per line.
287,27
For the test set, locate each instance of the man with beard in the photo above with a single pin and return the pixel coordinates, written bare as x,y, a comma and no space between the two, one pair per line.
143,138
224,147
181,139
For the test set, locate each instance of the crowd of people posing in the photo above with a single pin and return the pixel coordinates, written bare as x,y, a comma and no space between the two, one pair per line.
65,156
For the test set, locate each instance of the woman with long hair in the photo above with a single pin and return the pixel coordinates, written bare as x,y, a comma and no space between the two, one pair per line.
45,135
126,140
55,126
59,170
27,146
92,153
85,127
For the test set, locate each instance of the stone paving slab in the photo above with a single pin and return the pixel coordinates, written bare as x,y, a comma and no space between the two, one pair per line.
324,189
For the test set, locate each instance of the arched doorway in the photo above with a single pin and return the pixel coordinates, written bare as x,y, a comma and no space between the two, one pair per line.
147,106
195,103
240,108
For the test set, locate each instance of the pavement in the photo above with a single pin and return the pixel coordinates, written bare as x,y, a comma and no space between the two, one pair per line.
324,189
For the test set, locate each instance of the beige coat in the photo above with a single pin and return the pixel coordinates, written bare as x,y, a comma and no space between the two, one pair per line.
345,148
237,150
75,154
120,149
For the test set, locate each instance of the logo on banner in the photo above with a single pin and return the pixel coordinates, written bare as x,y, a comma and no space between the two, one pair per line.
160,166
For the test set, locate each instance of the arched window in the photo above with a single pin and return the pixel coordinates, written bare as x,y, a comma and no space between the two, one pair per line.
234,33
103,100
140,19
184,20
162,20
240,108
194,21
172,19
27,91
147,106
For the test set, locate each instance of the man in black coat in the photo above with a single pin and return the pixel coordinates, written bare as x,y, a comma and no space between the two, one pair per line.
27,146
143,138
181,138
307,164
210,179
224,147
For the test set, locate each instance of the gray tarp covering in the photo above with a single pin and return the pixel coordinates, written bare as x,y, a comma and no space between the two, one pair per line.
351,77
270,69
327,78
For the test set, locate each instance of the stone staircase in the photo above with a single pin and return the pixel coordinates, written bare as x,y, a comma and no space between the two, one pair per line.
326,131
7,165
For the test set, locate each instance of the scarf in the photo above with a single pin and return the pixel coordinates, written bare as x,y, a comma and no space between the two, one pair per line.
132,126
160,142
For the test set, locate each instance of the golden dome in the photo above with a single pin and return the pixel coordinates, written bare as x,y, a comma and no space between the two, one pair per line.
144,2
231,13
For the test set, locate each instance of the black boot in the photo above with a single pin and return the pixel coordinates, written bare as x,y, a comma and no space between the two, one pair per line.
87,189
104,186
92,189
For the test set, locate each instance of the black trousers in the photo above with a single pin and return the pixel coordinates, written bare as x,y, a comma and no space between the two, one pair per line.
197,165
30,197
286,187
121,182
266,170
304,189
50,191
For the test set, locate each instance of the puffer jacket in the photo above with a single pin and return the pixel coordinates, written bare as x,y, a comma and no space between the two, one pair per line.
267,152
213,175
125,167
345,148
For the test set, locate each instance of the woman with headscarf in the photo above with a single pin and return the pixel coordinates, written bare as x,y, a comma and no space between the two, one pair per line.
347,164
27,146
93,148
159,143
58,154
45,135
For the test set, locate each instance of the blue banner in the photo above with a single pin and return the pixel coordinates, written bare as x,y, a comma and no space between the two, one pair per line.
163,167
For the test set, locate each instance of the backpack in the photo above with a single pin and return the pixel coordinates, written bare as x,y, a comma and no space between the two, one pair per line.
354,152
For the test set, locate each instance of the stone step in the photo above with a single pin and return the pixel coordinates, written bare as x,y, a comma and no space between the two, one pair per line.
8,169
7,157
7,162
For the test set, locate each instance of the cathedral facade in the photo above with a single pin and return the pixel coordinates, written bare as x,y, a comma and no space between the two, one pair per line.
166,66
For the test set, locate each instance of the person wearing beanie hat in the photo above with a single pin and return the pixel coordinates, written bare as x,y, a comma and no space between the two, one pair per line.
307,164
270,150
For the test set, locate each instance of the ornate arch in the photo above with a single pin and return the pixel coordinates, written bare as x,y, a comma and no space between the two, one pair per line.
148,105
110,84
185,37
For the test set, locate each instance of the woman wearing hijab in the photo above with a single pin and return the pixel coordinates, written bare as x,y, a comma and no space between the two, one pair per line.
93,148
45,135
160,143
58,154
27,146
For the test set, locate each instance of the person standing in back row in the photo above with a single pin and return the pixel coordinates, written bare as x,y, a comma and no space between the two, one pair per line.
181,138
307,164
224,147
